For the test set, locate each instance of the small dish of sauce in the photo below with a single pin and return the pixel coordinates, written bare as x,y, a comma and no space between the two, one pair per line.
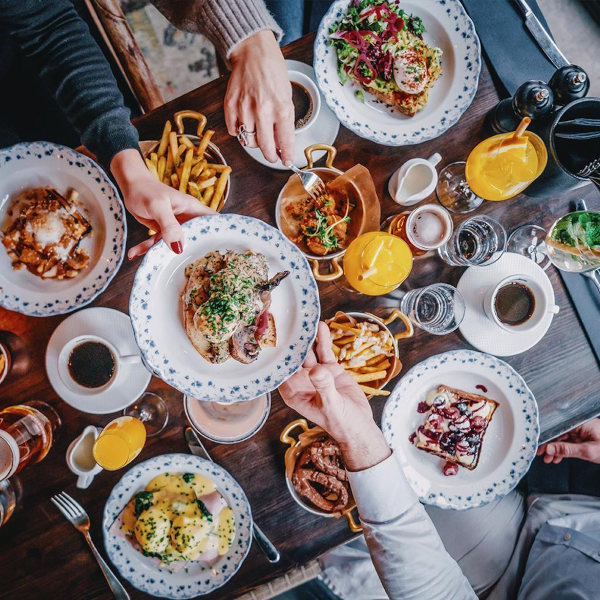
91,364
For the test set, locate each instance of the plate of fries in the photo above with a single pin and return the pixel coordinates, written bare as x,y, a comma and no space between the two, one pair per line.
189,163
364,345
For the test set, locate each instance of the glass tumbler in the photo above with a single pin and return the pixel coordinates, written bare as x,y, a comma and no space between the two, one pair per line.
438,308
475,242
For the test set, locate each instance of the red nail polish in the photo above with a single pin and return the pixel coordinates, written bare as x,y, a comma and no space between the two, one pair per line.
177,247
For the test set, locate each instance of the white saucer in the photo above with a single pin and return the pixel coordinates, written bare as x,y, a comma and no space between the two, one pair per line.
323,131
115,327
481,332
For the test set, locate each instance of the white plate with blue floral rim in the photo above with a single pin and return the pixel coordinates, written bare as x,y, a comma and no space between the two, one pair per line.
509,444
157,316
448,27
40,164
196,579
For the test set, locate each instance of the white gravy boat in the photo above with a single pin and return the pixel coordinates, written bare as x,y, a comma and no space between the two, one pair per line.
414,180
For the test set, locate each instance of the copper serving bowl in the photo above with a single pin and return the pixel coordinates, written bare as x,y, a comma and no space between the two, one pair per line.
307,436
212,152
362,220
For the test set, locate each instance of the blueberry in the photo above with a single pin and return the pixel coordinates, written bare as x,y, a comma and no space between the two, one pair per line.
462,407
473,438
452,427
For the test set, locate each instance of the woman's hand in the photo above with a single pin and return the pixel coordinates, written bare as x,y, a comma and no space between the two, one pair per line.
152,203
325,393
582,442
259,96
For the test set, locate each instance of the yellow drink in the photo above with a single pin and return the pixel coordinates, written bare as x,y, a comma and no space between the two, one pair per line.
377,262
504,165
119,443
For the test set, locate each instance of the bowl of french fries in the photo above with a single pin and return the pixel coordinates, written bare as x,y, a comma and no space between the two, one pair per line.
190,163
364,345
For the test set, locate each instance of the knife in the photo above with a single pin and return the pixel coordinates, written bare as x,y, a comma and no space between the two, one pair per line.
262,541
545,42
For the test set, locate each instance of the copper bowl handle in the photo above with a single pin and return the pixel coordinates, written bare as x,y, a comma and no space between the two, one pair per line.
331,154
285,436
352,524
337,270
189,114
409,330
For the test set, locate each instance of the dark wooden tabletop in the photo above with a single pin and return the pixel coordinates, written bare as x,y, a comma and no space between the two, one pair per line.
42,556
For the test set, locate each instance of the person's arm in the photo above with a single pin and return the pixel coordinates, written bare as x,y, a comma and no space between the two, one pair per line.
259,94
405,547
58,41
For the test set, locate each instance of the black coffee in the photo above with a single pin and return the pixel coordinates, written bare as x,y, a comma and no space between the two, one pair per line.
303,104
514,303
91,364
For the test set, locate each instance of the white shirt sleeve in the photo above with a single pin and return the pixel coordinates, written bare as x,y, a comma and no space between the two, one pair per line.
407,552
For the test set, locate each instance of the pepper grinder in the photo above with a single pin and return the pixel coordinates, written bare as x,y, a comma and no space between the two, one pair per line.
532,99
569,83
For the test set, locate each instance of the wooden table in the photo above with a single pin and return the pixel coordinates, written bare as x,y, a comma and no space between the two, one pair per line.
41,555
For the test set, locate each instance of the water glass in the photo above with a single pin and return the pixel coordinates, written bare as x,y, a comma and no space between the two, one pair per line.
477,241
437,308
10,495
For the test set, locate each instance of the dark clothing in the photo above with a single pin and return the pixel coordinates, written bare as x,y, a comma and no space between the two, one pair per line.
62,52
297,17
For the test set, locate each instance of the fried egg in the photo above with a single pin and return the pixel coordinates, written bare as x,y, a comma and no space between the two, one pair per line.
410,71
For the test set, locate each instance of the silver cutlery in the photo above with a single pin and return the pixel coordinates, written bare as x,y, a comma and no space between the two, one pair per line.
262,541
590,168
545,42
76,515
311,182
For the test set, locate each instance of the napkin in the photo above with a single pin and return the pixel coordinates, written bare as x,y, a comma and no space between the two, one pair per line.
511,50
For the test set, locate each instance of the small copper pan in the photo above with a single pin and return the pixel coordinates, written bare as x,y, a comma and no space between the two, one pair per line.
296,446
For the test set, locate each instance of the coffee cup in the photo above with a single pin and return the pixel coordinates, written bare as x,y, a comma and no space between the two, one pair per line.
90,364
518,303
306,99
80,457
414,180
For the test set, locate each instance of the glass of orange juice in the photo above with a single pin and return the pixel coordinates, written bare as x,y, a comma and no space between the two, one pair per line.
119,443
376,263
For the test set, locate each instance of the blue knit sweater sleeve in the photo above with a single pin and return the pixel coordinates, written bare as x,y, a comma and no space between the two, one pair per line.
53,35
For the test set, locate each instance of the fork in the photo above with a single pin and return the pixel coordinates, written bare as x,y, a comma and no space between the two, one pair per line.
590,168
311,182
74,512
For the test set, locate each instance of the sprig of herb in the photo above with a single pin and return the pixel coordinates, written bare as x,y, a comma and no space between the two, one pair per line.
204,511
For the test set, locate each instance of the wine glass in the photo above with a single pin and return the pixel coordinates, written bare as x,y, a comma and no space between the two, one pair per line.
529,241
152,411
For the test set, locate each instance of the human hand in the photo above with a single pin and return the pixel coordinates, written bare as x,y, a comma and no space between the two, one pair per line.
325,393
582,442
152,203
259,96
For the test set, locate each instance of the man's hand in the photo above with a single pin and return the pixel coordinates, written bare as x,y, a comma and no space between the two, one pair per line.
259,96
152,203
325,393
582,442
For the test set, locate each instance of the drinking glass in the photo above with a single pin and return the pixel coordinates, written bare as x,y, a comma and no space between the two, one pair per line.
453,191
152,411
10,495
573,242
528,241
437,309
119,443
477,241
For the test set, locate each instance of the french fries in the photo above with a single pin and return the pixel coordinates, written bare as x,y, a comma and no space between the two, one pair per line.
183,163
366,350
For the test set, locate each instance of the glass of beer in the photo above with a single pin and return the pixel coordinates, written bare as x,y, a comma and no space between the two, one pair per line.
26,435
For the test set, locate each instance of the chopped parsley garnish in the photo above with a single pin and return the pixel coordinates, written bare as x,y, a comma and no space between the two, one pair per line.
143,501
324,232
204,511
188,477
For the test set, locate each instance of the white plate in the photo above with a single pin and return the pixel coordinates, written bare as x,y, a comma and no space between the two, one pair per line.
115,327
40,164
323,131
195,580
509,444
157,316
483,333
449,28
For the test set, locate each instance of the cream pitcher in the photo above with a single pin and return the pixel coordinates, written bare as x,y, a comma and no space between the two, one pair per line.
414,180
